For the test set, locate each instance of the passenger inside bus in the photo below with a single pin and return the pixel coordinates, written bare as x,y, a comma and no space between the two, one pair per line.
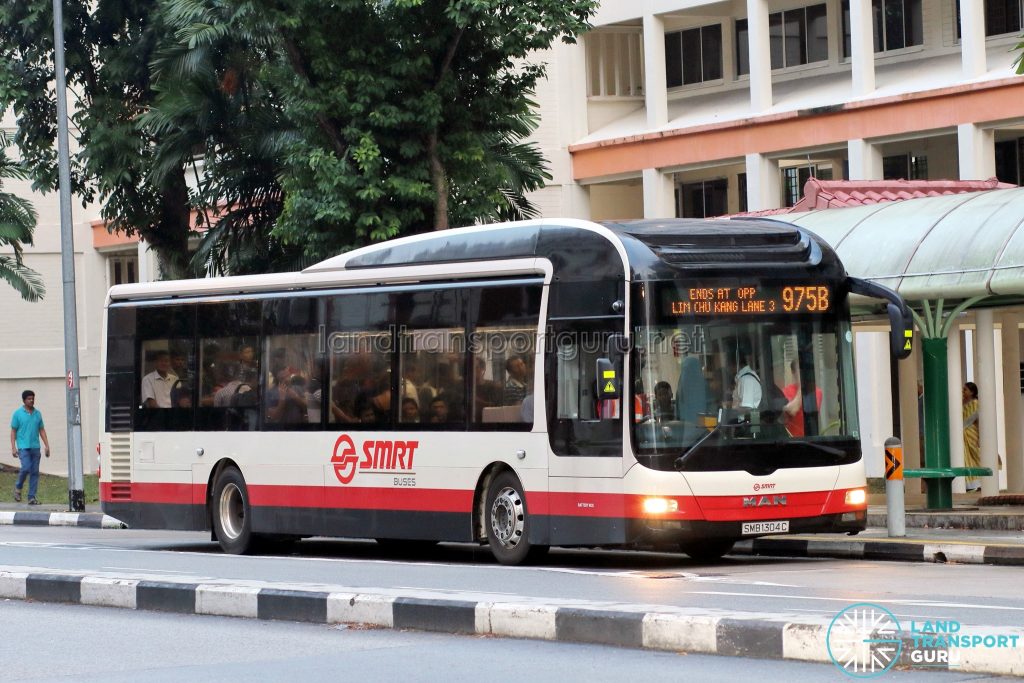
410,410
795,417
517,385
664,406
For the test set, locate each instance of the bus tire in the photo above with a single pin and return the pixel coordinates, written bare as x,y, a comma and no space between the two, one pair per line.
508,522
232,516
707,549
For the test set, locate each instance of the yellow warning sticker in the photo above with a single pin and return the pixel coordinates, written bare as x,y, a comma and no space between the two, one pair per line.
906,347
908,333
608,374
609,387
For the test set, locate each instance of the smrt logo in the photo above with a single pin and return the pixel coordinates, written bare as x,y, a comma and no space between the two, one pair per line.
378,456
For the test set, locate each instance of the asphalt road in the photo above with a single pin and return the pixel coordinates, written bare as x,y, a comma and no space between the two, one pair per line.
971,594
46,642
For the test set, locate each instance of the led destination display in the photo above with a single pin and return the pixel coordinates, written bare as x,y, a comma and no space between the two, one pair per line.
706,299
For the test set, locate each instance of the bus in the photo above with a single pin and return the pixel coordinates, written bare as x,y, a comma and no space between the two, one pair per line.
658,383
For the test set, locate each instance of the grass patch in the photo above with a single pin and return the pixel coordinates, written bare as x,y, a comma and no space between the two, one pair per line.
52,489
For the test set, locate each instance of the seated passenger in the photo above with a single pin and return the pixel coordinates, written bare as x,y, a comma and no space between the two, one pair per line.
439,411
410,411
664,408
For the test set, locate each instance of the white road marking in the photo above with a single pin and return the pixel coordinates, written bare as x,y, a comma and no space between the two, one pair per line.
892,601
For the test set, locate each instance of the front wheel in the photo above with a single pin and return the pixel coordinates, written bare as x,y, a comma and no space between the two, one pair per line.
707,549
508,521
232,519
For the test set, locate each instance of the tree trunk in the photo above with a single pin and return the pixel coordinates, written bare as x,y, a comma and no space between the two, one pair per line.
169,237
439,181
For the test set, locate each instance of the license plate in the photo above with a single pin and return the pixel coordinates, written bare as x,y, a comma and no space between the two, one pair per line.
778,527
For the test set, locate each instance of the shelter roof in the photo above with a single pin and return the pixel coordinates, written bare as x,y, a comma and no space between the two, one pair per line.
951,246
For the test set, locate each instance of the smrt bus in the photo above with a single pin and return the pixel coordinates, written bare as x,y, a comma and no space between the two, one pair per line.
681,383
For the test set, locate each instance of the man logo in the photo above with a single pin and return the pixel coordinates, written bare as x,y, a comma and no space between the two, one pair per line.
344,461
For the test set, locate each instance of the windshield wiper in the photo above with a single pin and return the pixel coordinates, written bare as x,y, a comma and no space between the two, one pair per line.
817,446
681,460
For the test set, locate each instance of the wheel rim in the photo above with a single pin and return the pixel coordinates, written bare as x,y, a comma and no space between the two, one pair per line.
232,511
508,518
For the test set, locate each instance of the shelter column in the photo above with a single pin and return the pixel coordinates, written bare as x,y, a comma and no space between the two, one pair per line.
936,418
659,194
910,419
655,81
1012,403
865,160
977,150
954,384
764,184
972,39
760,56
987,423
862,49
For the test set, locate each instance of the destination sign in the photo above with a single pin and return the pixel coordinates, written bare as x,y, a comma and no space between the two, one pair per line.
702,299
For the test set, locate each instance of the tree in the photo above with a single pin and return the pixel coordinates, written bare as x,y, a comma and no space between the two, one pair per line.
413,119
108,47
17,222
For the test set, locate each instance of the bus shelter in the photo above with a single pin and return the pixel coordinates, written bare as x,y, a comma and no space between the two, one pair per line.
956,259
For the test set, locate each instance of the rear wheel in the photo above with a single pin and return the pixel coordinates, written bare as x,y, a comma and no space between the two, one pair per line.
707,549
232,519
508,522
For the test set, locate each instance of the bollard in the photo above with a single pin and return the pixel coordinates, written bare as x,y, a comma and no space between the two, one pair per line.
896,517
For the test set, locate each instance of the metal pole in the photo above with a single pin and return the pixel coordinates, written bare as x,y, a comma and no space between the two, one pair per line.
896,511
76,487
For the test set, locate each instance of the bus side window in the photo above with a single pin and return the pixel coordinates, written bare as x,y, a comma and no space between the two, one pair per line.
165,361
292,364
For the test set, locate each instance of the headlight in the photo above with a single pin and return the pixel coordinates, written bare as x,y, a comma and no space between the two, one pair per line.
660,506
856,497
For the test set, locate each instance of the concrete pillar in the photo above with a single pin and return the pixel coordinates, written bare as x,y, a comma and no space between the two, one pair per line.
972,39
759,50
955,383
987,423
764,183
910,423
576,200
655,83
659,194
148,267
977,150
865,160
862,48
571,122
1014,455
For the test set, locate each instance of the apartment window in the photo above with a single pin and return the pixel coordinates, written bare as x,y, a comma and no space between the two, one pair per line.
895,24
1002,16
124,270
703,199
797,36
905,166
615,64
795,177
693,55
741,182
1009,154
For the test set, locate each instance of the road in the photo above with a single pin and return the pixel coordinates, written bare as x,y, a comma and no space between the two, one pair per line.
47,642
971,594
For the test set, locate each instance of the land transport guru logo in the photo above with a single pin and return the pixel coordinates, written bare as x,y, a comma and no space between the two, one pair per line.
866,640
378,456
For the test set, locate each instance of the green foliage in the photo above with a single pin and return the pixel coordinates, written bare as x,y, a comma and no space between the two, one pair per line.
17,223
307,127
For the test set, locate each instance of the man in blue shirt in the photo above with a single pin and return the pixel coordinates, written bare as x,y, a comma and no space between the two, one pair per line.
26,430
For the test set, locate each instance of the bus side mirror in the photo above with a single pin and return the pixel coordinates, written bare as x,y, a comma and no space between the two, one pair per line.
901,322
901,332
607,380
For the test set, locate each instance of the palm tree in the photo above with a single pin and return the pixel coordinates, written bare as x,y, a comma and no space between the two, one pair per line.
17,221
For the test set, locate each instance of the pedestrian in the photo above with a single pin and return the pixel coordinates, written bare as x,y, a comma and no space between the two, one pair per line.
26,431
972,445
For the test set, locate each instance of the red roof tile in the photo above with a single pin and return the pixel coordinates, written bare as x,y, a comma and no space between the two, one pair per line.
838,194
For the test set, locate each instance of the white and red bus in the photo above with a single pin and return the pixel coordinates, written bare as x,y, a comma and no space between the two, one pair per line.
526,385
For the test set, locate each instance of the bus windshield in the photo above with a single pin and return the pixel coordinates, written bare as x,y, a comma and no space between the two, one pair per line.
728,364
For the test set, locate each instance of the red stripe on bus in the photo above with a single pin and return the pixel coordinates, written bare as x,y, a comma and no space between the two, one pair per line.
571,504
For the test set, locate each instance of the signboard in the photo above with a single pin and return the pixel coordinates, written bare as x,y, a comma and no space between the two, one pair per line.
753,299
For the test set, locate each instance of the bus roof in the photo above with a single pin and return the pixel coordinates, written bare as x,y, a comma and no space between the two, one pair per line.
563,249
